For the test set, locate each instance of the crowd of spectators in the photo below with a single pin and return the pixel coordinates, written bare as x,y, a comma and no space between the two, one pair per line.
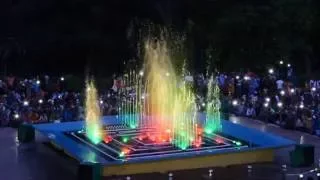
43,99
271,98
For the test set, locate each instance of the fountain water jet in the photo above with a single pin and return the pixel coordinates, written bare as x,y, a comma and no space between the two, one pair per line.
213,119
94,129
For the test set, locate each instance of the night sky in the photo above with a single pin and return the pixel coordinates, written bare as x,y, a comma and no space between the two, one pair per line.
56,36
66,36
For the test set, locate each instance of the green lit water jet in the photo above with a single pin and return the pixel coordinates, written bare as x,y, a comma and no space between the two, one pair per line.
92,113
213,119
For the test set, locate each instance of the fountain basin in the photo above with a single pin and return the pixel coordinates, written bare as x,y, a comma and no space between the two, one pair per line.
239,145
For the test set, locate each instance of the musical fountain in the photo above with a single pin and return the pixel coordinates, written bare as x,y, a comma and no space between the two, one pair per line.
158,127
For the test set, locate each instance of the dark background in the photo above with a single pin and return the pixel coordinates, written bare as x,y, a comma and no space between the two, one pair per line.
66,36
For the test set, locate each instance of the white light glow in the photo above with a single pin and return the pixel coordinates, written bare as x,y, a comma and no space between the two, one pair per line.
268,99
271,71
141,73
25,103
16,116
292,90
234,102
301,106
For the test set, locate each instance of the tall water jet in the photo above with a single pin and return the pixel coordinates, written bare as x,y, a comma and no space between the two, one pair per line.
130,108
213,119
158,96
170,104
93,127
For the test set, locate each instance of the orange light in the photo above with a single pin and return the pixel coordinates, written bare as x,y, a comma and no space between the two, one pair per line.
125,151
199,131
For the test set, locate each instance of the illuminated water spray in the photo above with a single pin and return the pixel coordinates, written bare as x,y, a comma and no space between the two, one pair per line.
130,108
170,104
157,96
93,127
213,119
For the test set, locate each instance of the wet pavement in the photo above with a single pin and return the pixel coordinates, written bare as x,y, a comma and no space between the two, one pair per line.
37,161
34,161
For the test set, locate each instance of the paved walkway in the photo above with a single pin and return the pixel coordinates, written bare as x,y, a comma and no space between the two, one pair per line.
34,161
289,134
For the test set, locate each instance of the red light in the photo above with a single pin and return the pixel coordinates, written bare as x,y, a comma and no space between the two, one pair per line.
107,139
152,138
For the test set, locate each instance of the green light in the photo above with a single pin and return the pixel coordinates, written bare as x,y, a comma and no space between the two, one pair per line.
125,139
183,146
208,131
93,126
93,134
122,154
132,126
238,143
213,105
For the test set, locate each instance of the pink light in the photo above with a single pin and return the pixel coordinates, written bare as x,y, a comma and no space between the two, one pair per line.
219,141
152,138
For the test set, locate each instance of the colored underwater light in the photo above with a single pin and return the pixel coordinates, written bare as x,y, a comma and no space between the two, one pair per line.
107,139
124,152
219,140
125,139
208,130
121,154
132,126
